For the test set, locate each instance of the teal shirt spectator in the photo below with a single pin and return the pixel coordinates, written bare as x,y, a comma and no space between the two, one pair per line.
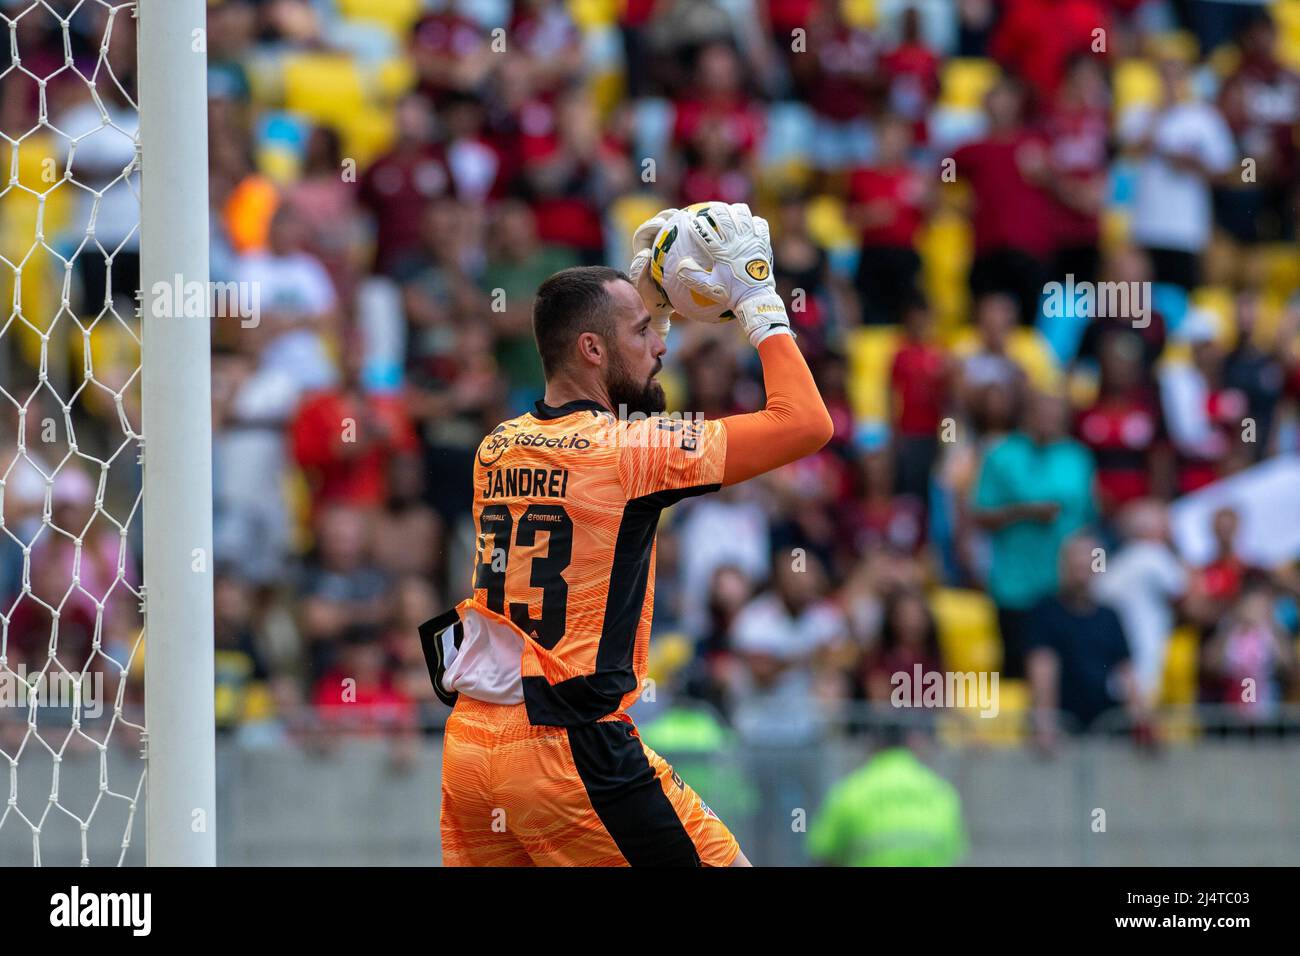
1018,471
894,811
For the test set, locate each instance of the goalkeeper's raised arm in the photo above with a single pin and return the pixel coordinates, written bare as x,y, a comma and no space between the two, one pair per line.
721,268
793,424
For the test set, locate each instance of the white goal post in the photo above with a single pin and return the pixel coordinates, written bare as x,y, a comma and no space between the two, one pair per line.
177,424
106,563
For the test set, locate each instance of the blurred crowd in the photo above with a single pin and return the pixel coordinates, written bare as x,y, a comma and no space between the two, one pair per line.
394,179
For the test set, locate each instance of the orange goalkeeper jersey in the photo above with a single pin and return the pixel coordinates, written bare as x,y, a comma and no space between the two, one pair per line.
566,505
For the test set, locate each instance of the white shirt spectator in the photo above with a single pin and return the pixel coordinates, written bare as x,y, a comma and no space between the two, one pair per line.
251,527
103,152
1141,583
294,285
1172,207
785,712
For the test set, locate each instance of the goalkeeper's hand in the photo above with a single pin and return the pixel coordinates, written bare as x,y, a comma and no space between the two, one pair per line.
739,260
661,310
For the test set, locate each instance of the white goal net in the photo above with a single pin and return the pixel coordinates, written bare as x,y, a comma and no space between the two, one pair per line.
73,745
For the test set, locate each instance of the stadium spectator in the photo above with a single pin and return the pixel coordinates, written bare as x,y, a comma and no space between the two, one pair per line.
1035,489
252,405
410,537
888,202
839,76
805,279
1144,582
1204,417
326,203
344,438
400,184
1008,169
1257,370
918,381
1077,657
1077,127
359,697
1260,101
1124,428
991,364
908,639
1248,661
298,313
784,639
451,53
242,672
570,171
1182,146
517,262
340,592
1036,39
911,69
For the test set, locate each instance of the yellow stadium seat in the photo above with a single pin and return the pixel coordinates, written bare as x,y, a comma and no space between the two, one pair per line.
1218,301
1225,60
1035,356
1004,727
629,211
394,77
396,16
40,169
1178,687
1137,84
1281,268
668,654
1175,45
594,14
607,90
1115,225
327,88
860,13
968,629
946,246
964,82
1271,309
1286,13
828,225
366,135
793,173
1027,348
871,352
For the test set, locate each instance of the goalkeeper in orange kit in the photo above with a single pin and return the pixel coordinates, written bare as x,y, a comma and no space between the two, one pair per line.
541,763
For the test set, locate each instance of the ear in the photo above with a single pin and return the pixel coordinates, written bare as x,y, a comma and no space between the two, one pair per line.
591,348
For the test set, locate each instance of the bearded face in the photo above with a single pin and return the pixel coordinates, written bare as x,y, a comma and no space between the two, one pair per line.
630,394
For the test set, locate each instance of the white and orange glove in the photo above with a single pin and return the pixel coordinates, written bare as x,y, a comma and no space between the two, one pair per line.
730,260
661,310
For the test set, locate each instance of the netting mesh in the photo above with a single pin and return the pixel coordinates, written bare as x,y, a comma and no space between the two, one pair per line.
71,644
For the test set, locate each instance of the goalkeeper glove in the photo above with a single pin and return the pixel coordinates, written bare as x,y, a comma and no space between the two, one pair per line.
738,250
661,310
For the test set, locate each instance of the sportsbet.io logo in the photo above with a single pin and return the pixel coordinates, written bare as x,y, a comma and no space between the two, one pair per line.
490,452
